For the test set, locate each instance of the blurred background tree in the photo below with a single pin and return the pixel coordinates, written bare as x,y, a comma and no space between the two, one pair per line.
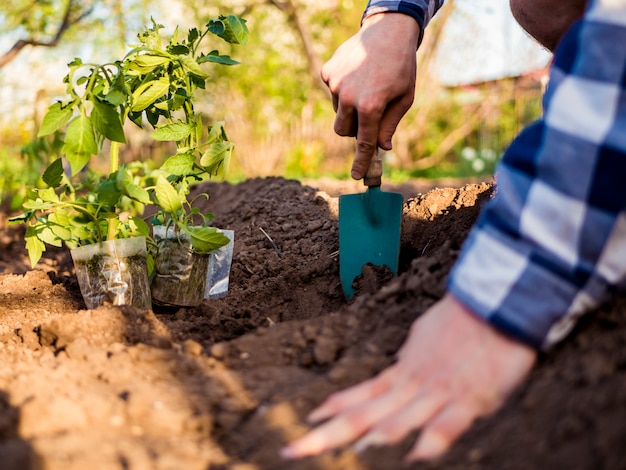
277,110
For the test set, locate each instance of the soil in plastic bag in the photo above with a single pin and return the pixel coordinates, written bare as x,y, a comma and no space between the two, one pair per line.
180,274
184,278
114,272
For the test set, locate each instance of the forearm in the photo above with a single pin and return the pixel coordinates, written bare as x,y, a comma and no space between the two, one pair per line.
547,20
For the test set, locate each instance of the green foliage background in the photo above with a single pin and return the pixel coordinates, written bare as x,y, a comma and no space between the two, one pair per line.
276,111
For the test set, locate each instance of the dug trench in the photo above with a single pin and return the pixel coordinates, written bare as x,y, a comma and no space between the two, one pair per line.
225,385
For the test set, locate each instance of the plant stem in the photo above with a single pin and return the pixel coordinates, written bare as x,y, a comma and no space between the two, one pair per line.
114,164
114,161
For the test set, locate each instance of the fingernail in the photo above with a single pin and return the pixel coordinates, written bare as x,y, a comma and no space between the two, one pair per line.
366,441
356,175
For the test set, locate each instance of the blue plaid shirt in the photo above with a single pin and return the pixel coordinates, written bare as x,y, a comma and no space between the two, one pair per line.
551,244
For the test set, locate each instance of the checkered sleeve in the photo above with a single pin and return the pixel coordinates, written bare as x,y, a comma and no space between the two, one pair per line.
551,244
421,10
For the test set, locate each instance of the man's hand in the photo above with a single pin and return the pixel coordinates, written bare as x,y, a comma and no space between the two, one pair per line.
372,80
452,369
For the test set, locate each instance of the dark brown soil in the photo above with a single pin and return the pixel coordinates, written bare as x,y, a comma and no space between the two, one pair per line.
227,384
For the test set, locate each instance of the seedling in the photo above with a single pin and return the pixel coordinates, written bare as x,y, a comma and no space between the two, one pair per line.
76,206
156,82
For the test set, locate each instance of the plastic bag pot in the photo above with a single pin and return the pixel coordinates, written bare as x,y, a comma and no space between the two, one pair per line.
183,278
114,271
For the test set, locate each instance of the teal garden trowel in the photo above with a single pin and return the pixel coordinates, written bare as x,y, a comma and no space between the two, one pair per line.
369,228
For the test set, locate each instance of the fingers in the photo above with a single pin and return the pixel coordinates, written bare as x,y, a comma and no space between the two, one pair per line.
442,431
354,396
452,369
371,117
355,410
373,126
359,115
331,434
354,122
390,119
362,158
398,424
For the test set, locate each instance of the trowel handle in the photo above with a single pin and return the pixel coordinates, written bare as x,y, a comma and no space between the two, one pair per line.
374,174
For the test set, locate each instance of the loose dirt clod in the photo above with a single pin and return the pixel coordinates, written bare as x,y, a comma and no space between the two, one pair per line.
226,384
371,279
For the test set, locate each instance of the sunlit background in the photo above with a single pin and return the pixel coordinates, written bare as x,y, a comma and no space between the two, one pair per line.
480,81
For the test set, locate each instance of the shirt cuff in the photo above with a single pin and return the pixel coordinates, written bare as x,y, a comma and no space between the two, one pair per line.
420,10
501,280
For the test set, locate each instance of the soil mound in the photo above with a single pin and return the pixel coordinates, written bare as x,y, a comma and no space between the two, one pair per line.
226,384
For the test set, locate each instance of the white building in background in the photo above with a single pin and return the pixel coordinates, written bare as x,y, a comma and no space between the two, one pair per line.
483,42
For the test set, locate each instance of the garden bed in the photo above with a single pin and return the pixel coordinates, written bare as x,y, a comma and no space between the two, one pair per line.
225,385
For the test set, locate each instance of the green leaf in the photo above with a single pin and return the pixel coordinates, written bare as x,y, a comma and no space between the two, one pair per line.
53,175
151,116
80,143
206,239
48,195
197,81
192,35
177,49
137,119
137,193
46,235
75,63
138,226
217,133
162,105
108,193
59,224
214,57
216,159
191,66
230,28
34,246
115,97
20,219
83,229
130,189
36,205
147,63
119,90
148,93
167,197
179,164
107,122
172,132
56,117
178,100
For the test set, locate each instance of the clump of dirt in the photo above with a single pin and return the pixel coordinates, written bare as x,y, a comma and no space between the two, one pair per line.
226,384
371,279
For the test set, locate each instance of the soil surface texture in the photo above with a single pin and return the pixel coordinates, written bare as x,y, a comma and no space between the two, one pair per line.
225,385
